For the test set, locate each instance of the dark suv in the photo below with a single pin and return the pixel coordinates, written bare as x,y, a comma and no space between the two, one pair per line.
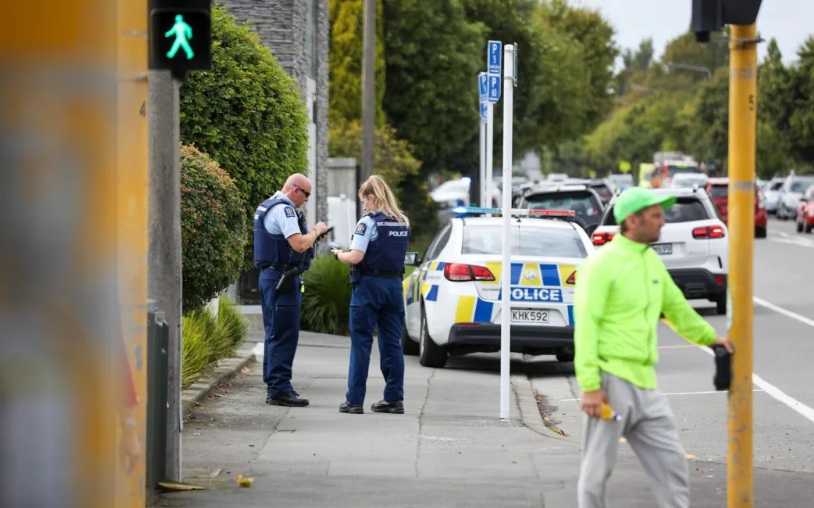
584,201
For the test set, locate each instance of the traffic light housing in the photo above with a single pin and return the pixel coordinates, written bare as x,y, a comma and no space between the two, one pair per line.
180,35
711,15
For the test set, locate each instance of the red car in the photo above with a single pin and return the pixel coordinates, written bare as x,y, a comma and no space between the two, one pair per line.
805,212
718,190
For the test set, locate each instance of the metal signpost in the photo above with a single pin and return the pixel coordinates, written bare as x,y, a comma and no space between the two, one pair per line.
506,272
494,60
483,90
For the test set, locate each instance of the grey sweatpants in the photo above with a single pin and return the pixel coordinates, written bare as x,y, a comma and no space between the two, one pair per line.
649,426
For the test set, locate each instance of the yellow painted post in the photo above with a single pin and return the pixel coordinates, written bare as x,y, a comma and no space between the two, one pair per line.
132,224
742,114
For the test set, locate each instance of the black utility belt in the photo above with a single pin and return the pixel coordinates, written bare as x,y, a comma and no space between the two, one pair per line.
382,275
278,266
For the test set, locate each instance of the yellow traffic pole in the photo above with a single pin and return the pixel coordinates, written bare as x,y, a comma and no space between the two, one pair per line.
132,224
742,109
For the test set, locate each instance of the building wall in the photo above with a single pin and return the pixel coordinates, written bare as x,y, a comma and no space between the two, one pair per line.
283,27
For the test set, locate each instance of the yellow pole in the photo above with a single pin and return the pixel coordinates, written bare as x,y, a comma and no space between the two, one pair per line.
742,109
132,223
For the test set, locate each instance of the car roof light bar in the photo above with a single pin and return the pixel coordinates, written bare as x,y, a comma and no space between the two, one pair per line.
464,211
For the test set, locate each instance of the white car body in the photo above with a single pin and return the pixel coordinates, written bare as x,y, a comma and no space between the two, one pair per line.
444,315
695,252
772,194
452,193
689,180
790,194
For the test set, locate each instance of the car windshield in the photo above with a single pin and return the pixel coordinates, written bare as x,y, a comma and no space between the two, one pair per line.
776,185
800,185
526,241
719,191
685,210
583,204
602,190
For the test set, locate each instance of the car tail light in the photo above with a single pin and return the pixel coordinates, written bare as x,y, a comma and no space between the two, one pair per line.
709,232
602,238
719,279
572,279
460,272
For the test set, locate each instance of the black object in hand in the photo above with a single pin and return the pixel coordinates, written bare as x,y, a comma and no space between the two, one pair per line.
723,368
322,235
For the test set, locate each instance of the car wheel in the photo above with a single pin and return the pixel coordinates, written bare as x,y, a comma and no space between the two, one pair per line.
720,304
430,354
799,227
408,345
565,357
760,232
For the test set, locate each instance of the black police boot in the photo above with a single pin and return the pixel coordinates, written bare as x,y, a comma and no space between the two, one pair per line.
354,409
396,407
290,399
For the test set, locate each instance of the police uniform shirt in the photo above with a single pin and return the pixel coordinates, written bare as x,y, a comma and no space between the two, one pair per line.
366,232
282,219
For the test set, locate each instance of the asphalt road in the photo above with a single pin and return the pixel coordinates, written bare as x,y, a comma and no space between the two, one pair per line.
783,436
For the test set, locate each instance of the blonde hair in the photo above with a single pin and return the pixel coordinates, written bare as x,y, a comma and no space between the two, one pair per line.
385,200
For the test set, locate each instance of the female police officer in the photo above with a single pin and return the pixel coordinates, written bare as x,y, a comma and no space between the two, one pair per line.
377,257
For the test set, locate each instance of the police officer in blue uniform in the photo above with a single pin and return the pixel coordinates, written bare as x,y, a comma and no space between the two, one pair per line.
376,254
283,249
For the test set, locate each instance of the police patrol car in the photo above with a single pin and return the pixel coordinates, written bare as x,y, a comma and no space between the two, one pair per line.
453,299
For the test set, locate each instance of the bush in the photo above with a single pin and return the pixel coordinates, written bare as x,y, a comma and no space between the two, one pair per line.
206,339
326,301
214,229
246,113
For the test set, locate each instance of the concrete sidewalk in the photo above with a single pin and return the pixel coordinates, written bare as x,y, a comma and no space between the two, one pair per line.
450,448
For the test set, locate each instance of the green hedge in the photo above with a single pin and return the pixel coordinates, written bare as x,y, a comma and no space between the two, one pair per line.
214,229
246,113
207,339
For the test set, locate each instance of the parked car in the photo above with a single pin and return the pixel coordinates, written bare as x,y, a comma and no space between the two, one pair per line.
603,188
805,212
621,180
584,201
690,180
693,244
452,301
772,193
790,195
452,193
718,190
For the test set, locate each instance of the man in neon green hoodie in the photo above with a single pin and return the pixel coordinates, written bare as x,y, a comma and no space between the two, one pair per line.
621,292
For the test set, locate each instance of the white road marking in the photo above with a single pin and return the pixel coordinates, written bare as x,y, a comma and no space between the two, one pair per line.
777,393
781,310
799,240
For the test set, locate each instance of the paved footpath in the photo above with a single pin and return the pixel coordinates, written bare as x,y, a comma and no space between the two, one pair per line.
449,449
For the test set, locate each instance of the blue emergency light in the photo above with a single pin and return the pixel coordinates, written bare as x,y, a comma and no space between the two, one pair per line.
464,211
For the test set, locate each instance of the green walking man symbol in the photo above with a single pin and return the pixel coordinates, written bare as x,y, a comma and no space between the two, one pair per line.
182,33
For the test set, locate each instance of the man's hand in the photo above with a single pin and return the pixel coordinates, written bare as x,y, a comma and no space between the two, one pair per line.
321,228
723,341
336,252
592,402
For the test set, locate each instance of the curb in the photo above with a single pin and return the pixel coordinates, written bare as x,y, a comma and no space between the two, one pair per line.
226,369
527,404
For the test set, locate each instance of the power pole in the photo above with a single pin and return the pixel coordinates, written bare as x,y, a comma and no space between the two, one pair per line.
368,89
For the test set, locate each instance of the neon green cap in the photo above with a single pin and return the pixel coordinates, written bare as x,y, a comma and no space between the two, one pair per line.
635,199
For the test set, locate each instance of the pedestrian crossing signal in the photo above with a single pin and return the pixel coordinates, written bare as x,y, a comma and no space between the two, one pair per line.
180,36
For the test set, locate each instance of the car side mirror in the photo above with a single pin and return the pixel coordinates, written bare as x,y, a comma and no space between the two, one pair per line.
411,259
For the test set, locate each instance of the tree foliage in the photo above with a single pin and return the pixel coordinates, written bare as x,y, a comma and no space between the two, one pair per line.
246,113
433,54
345,61
214,228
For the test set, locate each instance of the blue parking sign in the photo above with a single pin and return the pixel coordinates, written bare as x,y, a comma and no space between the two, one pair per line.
483,86
494,87
494,57
484,111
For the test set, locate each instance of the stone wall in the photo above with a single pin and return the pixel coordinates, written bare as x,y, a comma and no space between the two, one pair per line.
282,26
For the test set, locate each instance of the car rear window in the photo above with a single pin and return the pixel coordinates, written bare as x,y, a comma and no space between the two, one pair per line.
686,209
583,203
800,185
719,191
526,241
